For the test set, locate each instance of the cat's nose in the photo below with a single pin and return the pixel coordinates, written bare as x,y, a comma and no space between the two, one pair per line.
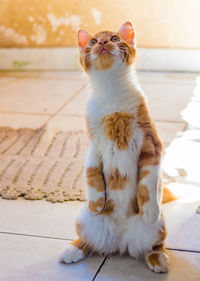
103,42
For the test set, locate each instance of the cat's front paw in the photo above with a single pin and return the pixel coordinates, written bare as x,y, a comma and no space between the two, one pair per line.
71,255
151,212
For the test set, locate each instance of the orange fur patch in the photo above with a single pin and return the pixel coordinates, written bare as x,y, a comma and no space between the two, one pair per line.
85,59
128,52
118,128
95,205
78,228
133,208
81,245
104,61
116,180
151,150
143,174
153,259
143,196
104,34
107,207
168,196
95,178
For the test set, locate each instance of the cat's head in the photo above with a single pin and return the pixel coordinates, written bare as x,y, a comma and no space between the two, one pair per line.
105,48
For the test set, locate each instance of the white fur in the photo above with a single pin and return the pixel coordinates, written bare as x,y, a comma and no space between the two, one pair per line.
72,254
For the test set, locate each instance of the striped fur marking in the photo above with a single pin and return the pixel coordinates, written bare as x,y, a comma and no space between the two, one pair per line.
151,150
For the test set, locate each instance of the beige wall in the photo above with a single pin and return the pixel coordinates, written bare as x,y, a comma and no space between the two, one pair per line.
159,23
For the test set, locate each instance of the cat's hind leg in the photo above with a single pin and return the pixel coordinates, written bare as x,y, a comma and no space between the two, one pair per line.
157,260
147,240
76,251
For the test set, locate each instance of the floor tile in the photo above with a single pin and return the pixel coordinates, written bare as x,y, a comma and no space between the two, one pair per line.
5,80
36,259
77,106
21,120
184,153
69,75
183,267
60,75
37,95
39,217
168,130
68,123
183,224
167,77
167,101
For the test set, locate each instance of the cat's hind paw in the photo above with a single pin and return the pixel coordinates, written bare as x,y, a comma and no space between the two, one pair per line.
158,261
71,255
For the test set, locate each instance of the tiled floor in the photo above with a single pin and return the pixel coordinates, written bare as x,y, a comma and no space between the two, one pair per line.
32,233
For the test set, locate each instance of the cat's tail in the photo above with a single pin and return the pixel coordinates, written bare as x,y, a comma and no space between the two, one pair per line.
168,196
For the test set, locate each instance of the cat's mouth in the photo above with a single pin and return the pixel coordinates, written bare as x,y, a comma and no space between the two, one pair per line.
104,51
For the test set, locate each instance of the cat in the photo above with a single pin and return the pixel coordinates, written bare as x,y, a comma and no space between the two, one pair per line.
123,164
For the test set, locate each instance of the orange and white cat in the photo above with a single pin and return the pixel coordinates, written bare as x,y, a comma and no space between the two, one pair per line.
123,173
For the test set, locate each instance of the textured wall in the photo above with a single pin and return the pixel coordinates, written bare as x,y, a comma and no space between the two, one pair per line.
159,23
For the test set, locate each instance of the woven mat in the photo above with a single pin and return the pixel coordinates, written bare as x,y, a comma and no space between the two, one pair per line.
42,163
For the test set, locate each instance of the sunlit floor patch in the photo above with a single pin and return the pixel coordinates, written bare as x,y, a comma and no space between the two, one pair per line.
182,158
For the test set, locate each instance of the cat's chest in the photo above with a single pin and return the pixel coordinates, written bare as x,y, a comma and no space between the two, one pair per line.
117,127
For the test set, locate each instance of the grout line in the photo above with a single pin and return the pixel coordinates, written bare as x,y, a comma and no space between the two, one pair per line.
100,267
181,83
26,113
68,101
73,115
184,250
169,121
34,236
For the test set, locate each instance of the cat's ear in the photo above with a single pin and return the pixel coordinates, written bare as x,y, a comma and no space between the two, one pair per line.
83,39
127,32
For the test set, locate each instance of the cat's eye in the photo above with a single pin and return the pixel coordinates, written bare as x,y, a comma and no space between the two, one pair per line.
115,38
93,42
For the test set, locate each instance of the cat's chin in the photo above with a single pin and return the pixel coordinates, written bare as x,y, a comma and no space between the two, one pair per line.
104,61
